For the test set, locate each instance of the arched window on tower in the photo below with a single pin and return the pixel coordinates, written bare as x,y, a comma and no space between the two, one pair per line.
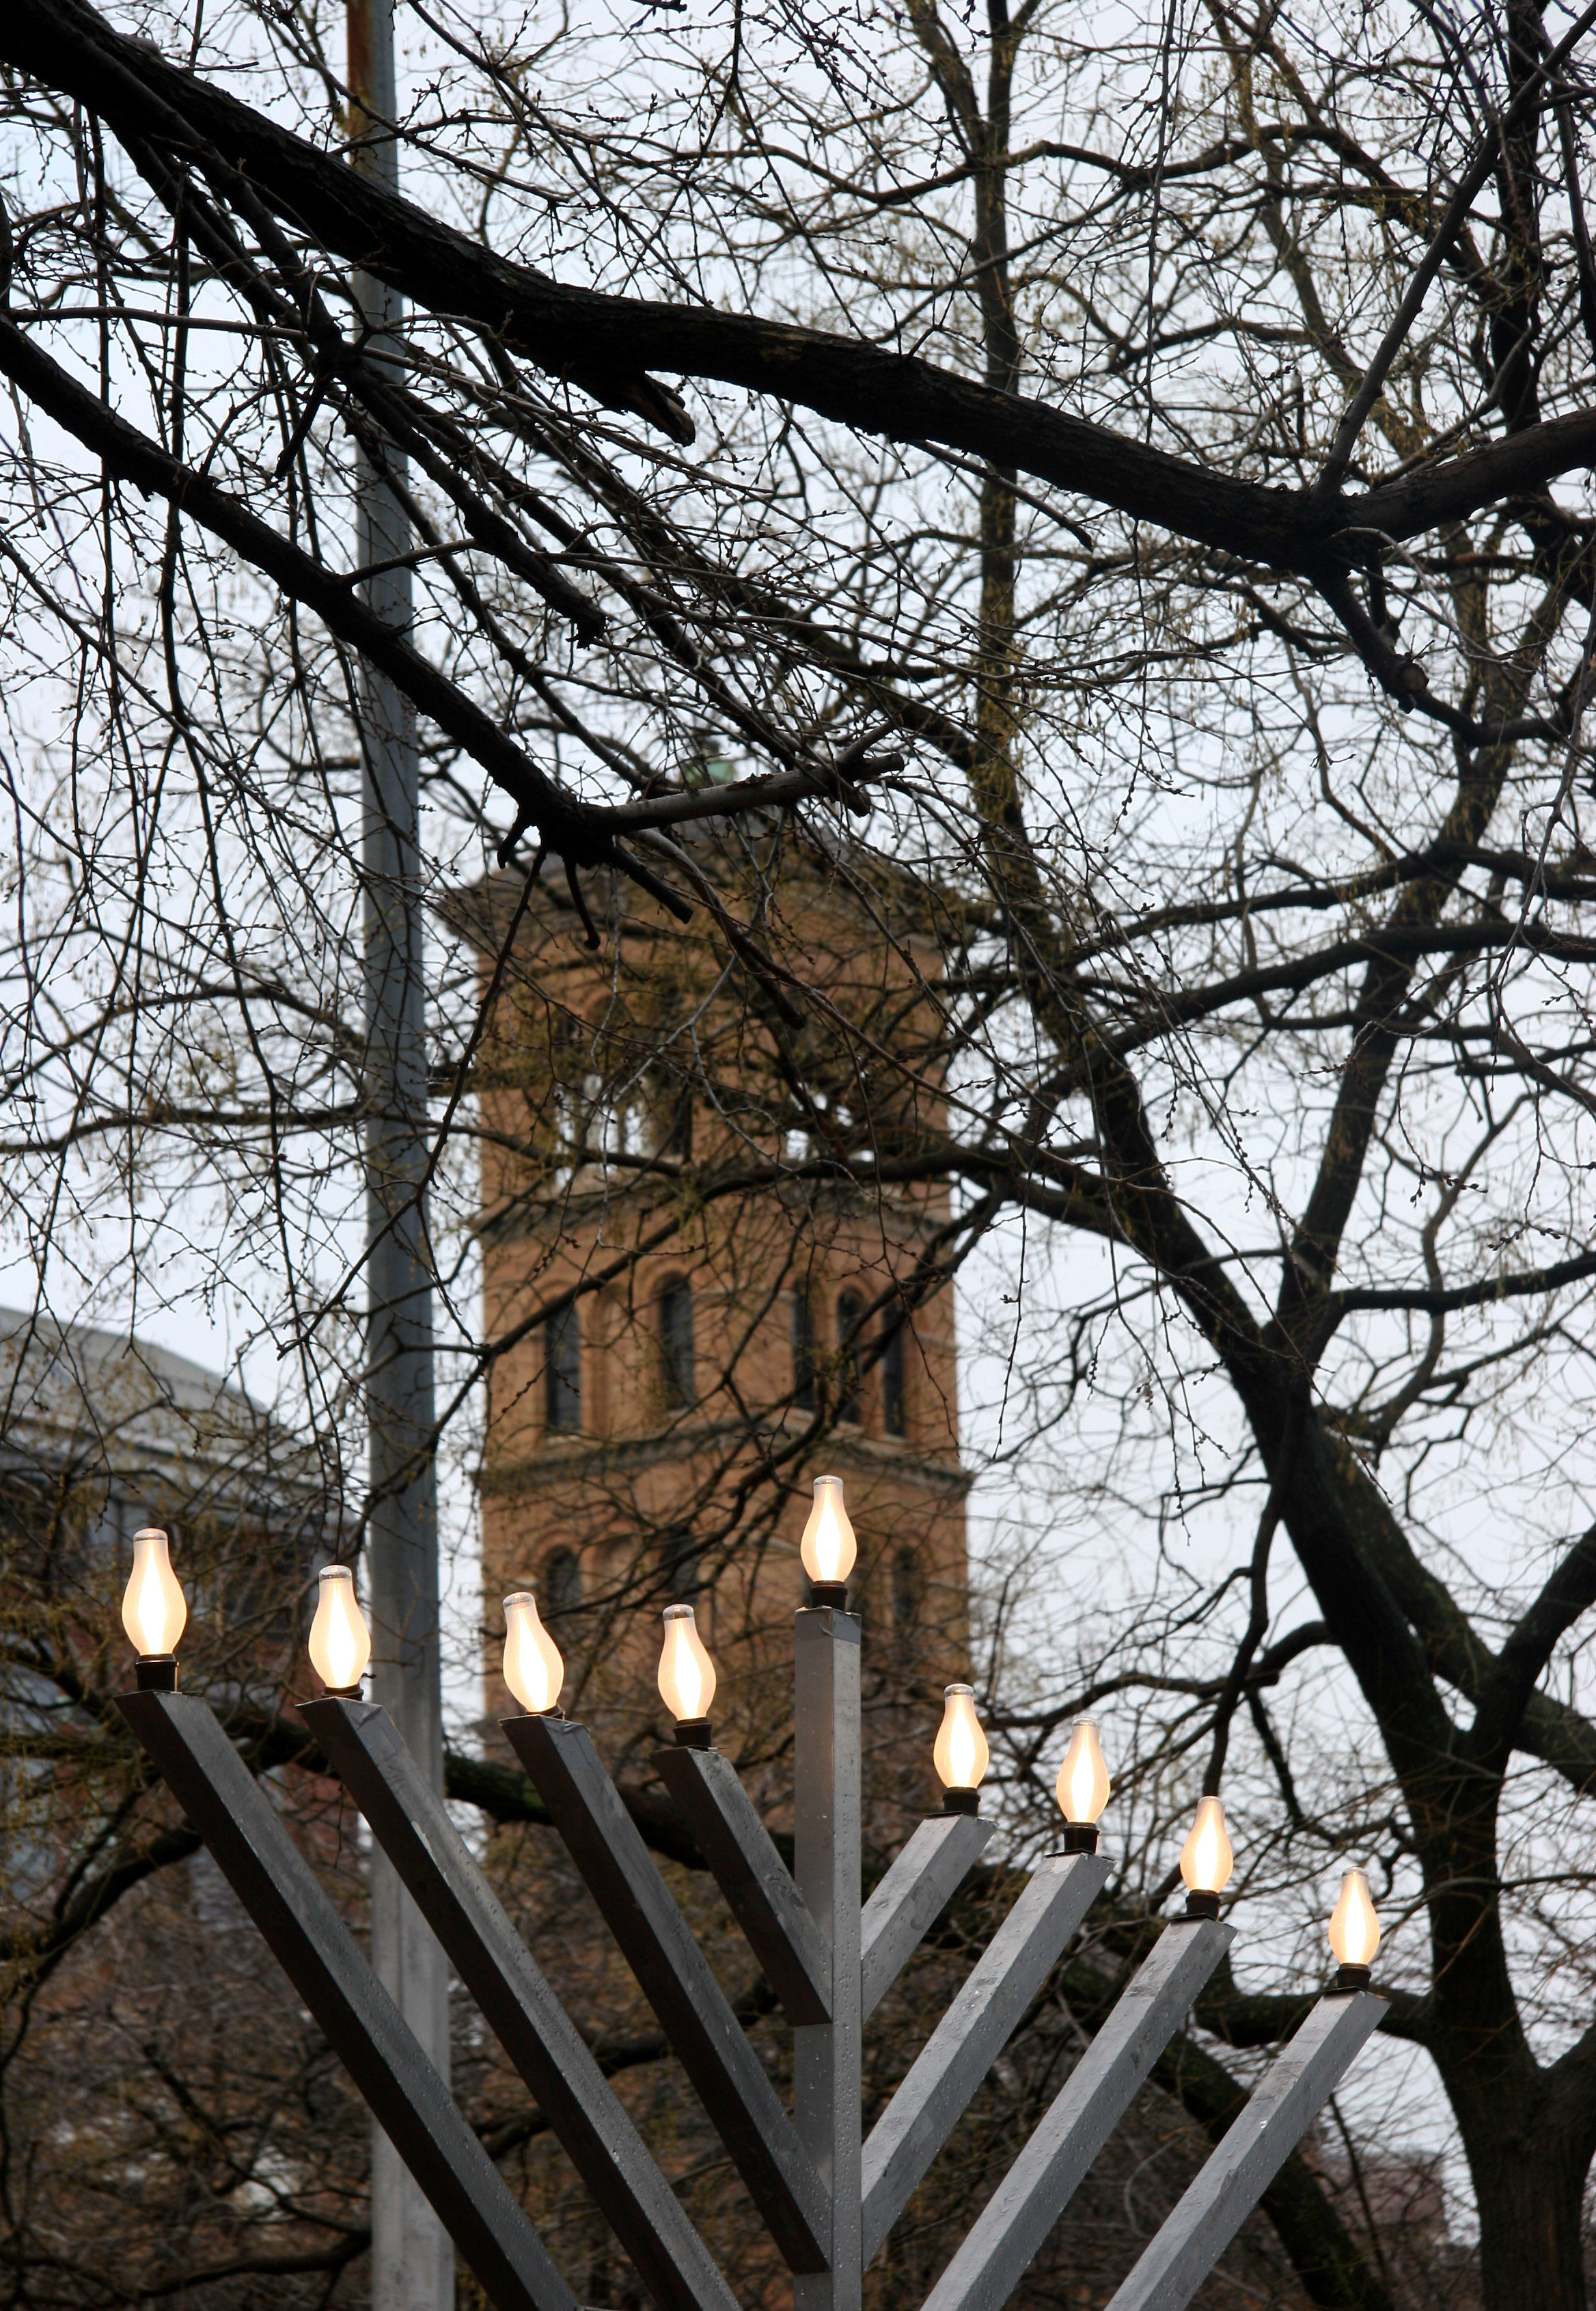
562,1582
895,1378
905,1602
851,1316
678,1376
676,1135
563,1371
681,1565
803,1348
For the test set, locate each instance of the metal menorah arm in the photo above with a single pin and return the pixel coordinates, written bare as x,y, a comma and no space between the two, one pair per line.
912,1895
1016,2220
276,1884
971,2034
674,1976
411,1825
758,1887
1262,2136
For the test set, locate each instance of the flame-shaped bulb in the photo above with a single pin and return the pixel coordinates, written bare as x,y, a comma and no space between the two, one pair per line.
340,1641
533,1668
686,1672
153,1606
960,1754
1084,1784
1206,1858
1355,1924
828,1547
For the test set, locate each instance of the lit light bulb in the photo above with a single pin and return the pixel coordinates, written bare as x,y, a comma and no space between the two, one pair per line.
960,1754
828,1547
533,1668
1355,1926
153,1606
340,1641
1206,1858
1084,1784
686,1672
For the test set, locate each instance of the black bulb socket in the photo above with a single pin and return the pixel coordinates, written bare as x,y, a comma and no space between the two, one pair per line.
156,1673
694,1733
342,1693
829,1593
1080,1837
1353,1977
1201,1904
961,1800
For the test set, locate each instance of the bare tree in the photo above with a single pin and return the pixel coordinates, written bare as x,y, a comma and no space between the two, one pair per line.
1128,477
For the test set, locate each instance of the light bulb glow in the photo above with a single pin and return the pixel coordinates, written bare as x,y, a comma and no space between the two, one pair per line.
960,1754
1084,1785
828,1547
1355,1925
533,1668
340,1641
686,1672
153,1606
1206,1858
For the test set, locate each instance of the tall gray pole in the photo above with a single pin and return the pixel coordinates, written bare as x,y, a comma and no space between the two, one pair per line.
413,2264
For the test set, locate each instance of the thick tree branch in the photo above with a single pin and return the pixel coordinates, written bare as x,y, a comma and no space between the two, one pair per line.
1569,1591
605,343
132,457
1518,1284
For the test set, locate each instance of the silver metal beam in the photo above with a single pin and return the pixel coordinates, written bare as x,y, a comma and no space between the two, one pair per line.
912,1897
1016,2220
363,2026
827,1861
755,1880
674,1976
415,1830
1268,2127
971,2034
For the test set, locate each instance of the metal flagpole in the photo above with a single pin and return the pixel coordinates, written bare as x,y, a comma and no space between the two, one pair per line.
413,2257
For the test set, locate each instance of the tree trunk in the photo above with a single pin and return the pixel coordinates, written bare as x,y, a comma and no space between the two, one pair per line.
1530,2190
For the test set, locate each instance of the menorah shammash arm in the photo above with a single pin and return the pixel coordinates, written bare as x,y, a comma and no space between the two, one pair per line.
827,1859
412,1826
362,2024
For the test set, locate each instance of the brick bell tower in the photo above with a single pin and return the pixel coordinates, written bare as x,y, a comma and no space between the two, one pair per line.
703,1309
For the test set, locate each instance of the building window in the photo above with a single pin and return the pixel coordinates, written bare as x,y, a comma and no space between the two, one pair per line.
851,1316
678,1363
676,1138
679,1561
562,1582
563,1371
905,1601
894,1380
803,1348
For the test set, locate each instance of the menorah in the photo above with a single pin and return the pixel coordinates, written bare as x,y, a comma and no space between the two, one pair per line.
827,2194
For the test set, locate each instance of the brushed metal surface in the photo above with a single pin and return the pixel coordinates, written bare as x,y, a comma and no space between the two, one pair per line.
363,2025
